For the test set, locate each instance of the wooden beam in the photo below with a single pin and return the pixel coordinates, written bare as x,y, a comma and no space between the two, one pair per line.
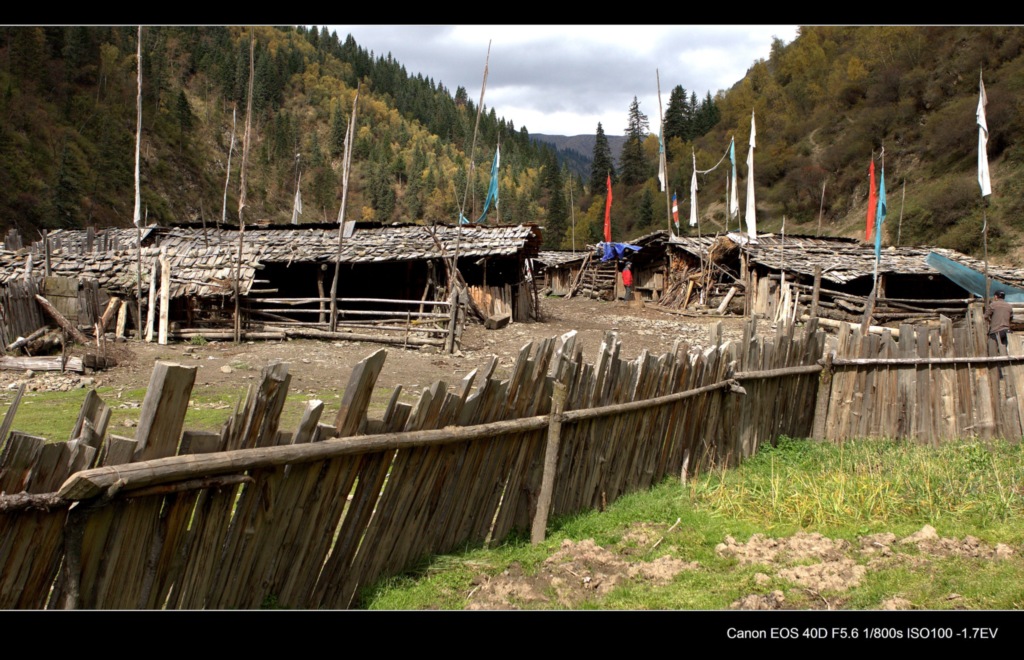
61,321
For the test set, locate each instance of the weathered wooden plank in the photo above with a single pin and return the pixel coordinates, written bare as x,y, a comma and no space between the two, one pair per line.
163,410
255,512
352,413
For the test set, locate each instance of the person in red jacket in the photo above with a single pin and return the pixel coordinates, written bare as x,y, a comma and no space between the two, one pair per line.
627,281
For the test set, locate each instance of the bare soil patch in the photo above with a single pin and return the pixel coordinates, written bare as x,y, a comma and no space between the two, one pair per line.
825,567
315,365
577,573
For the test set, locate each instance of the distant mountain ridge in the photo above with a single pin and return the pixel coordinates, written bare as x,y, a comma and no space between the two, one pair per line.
577,151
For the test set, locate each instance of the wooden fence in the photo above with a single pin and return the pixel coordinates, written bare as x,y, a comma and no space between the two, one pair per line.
926,383
307,518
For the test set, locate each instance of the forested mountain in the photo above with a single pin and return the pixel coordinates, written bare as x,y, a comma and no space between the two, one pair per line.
68,108
825,105
832,99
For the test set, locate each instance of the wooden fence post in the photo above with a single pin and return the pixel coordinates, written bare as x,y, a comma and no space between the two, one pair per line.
547,485
821,404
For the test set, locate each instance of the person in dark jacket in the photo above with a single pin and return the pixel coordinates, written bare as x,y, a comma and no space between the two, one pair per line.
998,315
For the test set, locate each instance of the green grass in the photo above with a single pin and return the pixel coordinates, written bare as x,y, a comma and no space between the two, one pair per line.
52,415
842,491
874,485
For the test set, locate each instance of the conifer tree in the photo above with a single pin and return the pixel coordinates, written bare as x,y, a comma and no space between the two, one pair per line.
602,164
338,129
558,212
634,164
677,116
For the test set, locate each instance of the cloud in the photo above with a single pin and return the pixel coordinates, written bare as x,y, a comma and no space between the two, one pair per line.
564,79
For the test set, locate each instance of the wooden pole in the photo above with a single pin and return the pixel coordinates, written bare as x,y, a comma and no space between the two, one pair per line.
547,486
899,225
320,292
984,238
663,164
832,323
138,192
243,195
138,281
165,295
346,164
472,164
150,316
46,255
816,294
227,176
821,209
5,426
113,307
453,297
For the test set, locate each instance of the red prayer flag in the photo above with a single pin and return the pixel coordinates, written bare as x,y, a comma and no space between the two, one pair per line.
608,213
872,202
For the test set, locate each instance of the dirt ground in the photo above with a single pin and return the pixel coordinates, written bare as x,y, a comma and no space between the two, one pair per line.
810,569
315,364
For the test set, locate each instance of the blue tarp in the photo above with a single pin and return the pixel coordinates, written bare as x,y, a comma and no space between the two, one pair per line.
611,251
971,280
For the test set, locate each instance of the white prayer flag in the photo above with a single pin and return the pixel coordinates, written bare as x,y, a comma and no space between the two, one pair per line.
297,209
751,216
693,194
983,174
734,195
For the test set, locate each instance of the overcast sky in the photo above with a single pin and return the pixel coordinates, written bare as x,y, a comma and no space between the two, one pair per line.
564,79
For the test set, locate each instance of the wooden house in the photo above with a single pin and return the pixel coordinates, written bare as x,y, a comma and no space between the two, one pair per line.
775,277
284,276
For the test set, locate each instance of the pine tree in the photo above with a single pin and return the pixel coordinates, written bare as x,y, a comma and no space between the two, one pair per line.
634,164
645,214
677,116
183,113
707,116
558,212
602,164
338,128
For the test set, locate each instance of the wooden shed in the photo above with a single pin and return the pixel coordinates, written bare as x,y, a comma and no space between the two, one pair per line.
284,275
